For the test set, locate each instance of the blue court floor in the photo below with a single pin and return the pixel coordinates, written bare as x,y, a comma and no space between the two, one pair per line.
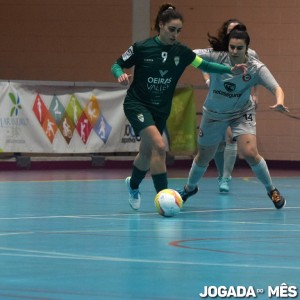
78,239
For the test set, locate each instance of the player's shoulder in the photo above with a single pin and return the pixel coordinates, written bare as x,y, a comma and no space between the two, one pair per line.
210,53
203,51
183,49
253,53
145,43
254,61
255,64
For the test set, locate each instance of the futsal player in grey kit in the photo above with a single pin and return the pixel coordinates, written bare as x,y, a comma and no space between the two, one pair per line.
229,103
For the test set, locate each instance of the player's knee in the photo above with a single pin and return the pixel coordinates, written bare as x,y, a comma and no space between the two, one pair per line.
159,148
253,160
250,155
205,155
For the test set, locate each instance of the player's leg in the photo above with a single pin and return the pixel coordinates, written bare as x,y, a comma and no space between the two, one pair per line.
152,144
199,166
152,154
230,153
225,159
210,136
248,147
219,159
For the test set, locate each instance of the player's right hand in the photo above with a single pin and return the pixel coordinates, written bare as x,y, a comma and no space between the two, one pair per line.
239,68
124,79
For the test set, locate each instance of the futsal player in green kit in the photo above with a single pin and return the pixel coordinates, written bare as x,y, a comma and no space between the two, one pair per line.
159,62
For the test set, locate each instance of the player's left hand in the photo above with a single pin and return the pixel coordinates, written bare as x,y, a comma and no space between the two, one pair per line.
280,108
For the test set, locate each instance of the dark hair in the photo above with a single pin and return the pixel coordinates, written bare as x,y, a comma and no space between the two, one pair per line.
220,43
239,33
166,13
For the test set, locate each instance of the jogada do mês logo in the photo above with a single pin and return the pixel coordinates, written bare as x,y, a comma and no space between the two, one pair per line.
280,291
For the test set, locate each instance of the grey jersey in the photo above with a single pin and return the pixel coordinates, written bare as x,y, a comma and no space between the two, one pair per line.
230,95
253,53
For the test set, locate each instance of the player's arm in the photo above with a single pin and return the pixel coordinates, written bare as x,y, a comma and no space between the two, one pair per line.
279,95
269,82
211,67
254,92
126,60
118,72
206,77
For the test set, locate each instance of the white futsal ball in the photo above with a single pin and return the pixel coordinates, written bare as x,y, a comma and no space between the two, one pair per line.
168,203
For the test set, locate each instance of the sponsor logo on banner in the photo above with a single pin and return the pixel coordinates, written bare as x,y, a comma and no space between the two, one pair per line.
129,135
71,118
16,105
14,121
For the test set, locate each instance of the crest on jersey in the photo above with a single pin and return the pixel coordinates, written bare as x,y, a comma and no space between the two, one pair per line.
141,117
128,53
246,77
200,132
163,73
229,86
176,60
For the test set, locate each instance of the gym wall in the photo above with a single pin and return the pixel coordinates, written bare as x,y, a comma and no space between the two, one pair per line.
78,40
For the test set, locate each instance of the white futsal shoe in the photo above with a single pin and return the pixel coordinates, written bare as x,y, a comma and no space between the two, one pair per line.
134,196
224,184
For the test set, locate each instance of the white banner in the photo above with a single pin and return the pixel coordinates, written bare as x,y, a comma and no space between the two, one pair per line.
63,119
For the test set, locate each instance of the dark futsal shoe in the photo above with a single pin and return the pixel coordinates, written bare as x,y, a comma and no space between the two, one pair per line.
186,194
278,200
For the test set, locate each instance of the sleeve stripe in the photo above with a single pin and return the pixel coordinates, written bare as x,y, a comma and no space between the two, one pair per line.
197,61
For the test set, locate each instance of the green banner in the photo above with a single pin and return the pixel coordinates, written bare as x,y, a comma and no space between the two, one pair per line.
181,125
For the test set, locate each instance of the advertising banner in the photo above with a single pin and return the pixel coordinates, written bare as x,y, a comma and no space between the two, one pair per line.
181,125
63,119
45,118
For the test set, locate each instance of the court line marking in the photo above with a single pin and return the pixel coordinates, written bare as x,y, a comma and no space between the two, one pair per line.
16,233
138,214
286,185
251,179
61,232
63,255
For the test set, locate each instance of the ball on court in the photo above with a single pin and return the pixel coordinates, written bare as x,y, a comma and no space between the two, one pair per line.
168,202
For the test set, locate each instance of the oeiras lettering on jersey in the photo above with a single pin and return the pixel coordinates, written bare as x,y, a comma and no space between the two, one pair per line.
157,80
158,84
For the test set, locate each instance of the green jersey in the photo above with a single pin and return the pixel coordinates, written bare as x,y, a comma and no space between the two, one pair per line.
157,70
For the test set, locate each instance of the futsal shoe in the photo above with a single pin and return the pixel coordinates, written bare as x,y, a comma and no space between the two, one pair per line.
224,184
134,196
186,194
278,200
